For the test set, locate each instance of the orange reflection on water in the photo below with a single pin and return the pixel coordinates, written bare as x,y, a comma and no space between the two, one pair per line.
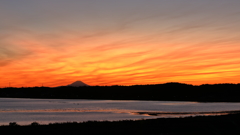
68,110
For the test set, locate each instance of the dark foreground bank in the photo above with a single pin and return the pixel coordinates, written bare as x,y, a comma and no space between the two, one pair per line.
161,92
211,125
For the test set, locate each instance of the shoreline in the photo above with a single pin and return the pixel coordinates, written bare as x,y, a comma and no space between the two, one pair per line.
199,125
124,99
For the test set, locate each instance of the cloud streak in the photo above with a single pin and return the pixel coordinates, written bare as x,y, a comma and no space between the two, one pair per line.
138,45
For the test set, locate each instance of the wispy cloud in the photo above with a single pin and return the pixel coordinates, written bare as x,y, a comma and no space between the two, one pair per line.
155,42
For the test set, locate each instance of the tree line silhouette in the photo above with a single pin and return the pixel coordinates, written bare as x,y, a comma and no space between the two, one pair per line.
163,92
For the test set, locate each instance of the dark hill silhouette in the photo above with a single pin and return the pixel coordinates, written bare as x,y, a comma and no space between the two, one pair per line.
78,84
163,92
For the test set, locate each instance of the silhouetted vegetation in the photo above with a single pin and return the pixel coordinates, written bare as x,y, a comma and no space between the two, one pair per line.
202,125
167,92
13,124
34,124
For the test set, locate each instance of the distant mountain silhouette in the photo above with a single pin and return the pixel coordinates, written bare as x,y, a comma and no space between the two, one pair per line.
78,84
172,91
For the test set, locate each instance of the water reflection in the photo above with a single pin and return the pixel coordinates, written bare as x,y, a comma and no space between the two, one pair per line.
184,114
44,111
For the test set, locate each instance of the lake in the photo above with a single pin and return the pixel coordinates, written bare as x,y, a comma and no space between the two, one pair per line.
44,111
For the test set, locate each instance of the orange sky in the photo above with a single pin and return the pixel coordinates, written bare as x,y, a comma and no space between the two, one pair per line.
143,44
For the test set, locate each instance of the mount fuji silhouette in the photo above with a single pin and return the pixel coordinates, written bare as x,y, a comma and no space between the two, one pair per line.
78,84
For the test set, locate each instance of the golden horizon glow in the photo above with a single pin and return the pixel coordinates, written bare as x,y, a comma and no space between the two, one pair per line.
144,47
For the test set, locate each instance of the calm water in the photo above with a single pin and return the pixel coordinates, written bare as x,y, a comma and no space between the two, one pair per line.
44,111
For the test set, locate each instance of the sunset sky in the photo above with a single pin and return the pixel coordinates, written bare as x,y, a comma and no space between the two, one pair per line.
119,42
